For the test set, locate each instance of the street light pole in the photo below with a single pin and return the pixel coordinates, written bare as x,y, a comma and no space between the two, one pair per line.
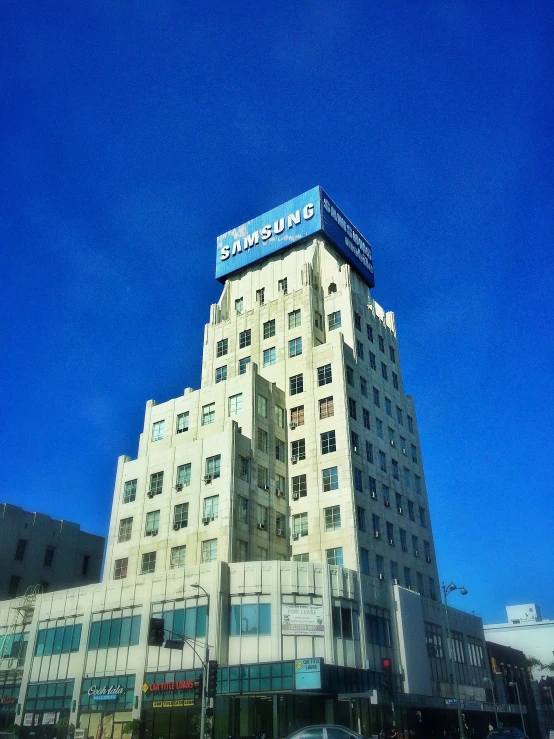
204,666
447,589
514,684
488,679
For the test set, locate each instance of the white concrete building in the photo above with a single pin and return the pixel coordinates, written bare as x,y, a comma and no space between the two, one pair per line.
290,488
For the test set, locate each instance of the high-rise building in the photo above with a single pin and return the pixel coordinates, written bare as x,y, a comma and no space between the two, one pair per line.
277,514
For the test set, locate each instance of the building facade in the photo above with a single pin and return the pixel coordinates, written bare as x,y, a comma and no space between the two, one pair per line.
39,551
278,514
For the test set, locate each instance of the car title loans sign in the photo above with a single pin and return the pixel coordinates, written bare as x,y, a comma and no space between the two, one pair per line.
302,620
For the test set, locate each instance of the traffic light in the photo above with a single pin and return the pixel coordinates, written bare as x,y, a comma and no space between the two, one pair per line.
156,632
386,667
212,679
198,684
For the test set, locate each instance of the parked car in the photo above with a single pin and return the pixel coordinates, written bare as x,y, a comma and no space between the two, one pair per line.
509,732
322,731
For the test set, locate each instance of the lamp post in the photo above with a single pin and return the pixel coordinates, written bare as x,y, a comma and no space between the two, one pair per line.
447,589
514,684
205,665
491,681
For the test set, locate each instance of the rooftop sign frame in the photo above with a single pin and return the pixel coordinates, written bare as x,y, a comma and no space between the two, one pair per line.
304,216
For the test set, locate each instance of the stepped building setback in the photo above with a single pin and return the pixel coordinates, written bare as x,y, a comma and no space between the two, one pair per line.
278,513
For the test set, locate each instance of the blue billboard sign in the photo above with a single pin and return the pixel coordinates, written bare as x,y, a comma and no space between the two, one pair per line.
304,216
307,674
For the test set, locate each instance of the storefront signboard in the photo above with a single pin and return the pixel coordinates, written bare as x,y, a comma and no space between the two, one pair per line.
28,719
302,620
49,718
307,674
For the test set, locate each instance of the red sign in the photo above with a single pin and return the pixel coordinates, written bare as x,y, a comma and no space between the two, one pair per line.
182,685
7,699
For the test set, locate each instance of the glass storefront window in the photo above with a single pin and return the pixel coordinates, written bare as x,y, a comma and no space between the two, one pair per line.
250,619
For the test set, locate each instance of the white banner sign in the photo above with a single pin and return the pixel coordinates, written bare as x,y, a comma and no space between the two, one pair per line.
303,620
49,718
28,719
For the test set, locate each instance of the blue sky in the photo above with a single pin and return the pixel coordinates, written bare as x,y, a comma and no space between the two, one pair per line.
133,133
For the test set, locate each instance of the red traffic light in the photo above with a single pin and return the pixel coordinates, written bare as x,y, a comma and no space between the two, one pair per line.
386,664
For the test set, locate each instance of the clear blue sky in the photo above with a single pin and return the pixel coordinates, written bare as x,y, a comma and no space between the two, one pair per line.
133,133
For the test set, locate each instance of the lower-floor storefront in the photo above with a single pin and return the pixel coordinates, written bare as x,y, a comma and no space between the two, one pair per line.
45,704
9,696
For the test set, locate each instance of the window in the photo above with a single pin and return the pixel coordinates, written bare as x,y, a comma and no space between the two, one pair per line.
241,509
280,416
13,586
209,550
349,375
395,472
414,453
297,415
211,507
235,404
241,550
372,361
220,374
363,386
330,479
269,356
394,571
296,384
158,430
332,518
177,557
384,373
245,338
369,452
395,382
415,545
250,620
262,406
358,484
125,528
269,329
261,554
345,626
261,515
382,461
386,495
390,532
318,321
420,585
280,451
403,445
399,503
367,421
263,477
360,518
208,414
417,483
20,549
388,407
334,556
182,422
299,486
380,564
427,550
407,577
392,354
432,588
376,400
326,407
86,564
298,449
295,347
391,436
355,442
152,523
410,424
403,540
183,474
243,364
379,425
120,568
294,318
407,481
244,468
376,522
358,321
372,487
300,524
260,296
129,491
382,344
282,285
222,347
263,441
422,520
411,510
475,649
280,484
352,409
181,516
332,288
49,556
328,442
301,557
360,349
148,564
334,320
324,375
239,305
369,332
378,627
58,640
